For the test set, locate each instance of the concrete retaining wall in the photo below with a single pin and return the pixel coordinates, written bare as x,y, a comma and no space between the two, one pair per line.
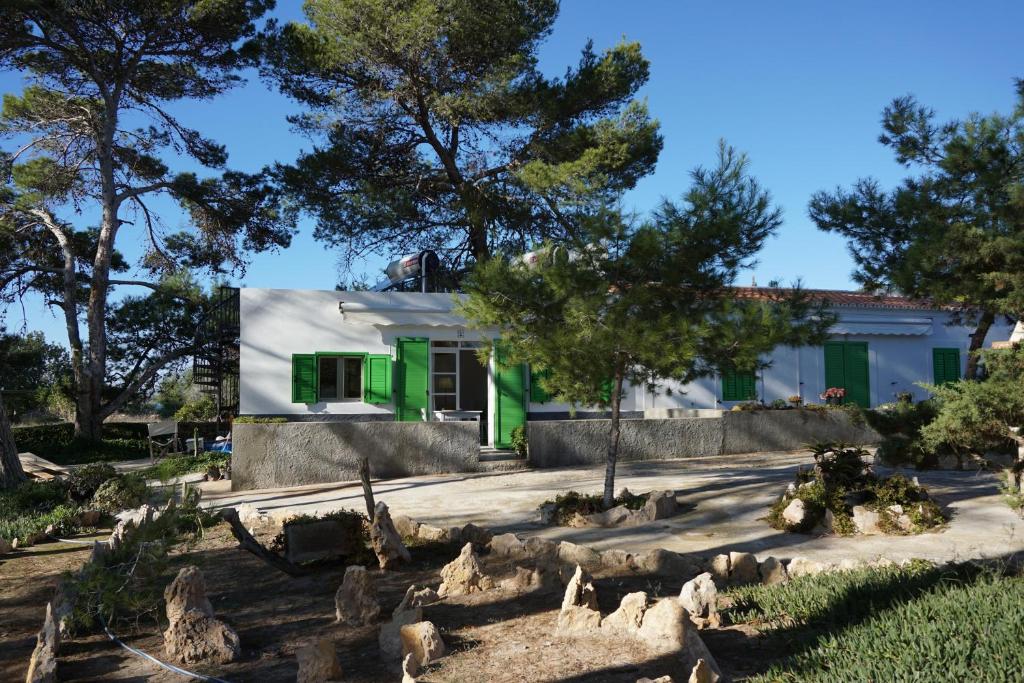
296,453
585,442
789,430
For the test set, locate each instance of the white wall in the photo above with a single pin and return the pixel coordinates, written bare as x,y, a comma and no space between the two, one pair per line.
897,362
275,323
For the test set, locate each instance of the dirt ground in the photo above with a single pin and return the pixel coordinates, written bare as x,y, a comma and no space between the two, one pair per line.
28,578
491,636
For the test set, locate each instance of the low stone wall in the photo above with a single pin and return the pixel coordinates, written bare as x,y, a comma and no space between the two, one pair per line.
585,442
296,453
790,430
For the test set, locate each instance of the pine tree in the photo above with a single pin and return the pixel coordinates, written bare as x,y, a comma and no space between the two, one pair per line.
645,302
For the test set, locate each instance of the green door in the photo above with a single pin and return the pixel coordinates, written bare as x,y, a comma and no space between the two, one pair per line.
509,399
846,366
412,378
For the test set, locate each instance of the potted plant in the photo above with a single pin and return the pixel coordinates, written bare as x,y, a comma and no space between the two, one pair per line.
796,400
834,396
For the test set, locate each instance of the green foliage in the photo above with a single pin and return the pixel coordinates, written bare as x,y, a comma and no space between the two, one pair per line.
623,301
572,503
977,415
900,425
839,475
451,91
186,463
249,419
32,506
129,66
37,374
84,481
520,444
199,409
126,590
63,518
123,492
888,624
952,232
57,443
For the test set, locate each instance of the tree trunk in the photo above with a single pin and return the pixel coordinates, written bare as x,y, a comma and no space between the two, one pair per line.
977,341
88,418
613,442
11,473
364,478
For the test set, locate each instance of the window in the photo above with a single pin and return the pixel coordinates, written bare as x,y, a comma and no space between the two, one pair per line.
739,385
343,376
340,378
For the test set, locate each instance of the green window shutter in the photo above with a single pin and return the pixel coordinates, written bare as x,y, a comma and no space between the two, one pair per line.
748,385
303,378
946,365
509,398
835,374
377,378
739,385
606,390
538,394
412,378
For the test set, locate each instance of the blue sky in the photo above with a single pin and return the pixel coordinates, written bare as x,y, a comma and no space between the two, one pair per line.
799,86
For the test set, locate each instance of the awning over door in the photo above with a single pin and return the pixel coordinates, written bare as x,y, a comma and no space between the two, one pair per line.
886,326
404,308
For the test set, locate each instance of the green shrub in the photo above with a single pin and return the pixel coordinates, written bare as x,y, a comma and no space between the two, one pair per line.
891,624
33,496
84,481
520,444
126,590
249,419
123,492
572,503
185,463
63,517
975,416
200,409
57,443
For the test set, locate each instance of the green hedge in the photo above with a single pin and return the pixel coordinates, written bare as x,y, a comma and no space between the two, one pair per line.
121,441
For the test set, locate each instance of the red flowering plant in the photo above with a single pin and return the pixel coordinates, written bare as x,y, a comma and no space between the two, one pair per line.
834,395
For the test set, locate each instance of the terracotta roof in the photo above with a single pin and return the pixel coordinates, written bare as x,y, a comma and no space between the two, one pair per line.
846,299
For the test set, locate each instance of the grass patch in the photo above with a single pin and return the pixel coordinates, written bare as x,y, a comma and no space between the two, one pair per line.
571,503
919,623
185,463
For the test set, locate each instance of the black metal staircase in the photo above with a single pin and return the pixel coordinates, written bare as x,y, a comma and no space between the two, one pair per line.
215,368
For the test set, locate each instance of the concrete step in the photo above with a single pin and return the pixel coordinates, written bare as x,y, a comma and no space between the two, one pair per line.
488,453
504,465
501,460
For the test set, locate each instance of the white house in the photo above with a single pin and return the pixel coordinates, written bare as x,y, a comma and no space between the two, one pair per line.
331,355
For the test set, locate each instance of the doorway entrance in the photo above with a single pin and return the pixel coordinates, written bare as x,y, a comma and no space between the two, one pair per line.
458,382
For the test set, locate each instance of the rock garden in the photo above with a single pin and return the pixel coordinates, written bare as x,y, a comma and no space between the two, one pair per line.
841,494
349,596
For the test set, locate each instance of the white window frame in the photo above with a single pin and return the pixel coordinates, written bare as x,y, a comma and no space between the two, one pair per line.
339,377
